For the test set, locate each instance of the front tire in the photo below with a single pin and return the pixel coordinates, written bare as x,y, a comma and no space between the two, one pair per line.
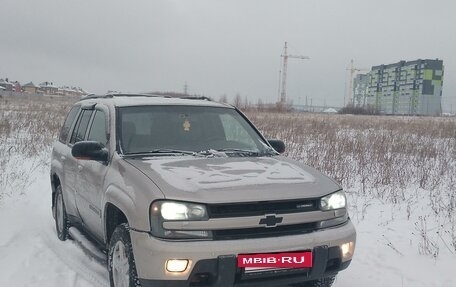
61,218
121,262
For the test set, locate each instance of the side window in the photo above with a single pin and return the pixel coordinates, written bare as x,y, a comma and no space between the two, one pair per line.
67,125
98,128
81,127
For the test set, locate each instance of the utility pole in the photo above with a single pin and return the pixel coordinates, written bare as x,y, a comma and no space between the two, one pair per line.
185,88
278,92
285,56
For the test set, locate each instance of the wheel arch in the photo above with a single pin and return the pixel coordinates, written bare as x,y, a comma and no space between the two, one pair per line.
55,182
113,216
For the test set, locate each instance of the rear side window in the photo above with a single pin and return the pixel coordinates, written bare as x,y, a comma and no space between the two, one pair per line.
81,126
67,125
98,129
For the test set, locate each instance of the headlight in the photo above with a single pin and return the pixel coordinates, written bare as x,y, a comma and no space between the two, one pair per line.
334,201
165,210
182,211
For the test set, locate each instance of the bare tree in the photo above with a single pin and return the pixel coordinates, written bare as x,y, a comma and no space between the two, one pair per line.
223,99
246,104
260,105
237,101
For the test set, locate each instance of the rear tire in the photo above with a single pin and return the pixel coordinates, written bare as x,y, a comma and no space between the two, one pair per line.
121,262
323,282
61,218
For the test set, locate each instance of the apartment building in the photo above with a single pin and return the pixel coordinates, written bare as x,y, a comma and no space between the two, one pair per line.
402,88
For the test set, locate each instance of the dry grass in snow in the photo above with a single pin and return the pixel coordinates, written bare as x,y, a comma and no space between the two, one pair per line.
28,127
408,163
399,174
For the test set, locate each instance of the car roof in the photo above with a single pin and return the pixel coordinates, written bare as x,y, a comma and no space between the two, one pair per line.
129,100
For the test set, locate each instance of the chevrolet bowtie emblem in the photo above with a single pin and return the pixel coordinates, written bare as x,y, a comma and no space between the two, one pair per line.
271,220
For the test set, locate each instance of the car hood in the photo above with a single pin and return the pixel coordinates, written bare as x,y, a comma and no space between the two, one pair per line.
233,179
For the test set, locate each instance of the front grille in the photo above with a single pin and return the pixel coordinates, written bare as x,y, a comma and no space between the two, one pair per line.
264,274
262,232
262,208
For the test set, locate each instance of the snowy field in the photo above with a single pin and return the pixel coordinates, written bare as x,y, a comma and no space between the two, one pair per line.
399,173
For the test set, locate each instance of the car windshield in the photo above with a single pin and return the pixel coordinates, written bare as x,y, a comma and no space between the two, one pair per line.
187,130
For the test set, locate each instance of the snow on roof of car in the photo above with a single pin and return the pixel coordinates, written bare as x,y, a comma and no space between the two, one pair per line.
127,100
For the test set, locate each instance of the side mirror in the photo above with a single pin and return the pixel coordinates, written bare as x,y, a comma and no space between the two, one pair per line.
90,150
278,145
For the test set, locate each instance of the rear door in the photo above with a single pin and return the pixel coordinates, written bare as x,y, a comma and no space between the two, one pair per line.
91,176
60,153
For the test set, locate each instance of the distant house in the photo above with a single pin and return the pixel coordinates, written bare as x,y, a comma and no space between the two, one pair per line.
71,91
6,85
30,88
16,86
48,88
83,92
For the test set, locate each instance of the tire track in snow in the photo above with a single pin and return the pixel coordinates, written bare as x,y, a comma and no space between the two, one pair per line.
81,263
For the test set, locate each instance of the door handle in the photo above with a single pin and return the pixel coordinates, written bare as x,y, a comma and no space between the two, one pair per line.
80,168
62,157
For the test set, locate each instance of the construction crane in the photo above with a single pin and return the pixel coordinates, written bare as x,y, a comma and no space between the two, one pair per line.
352,70
285,56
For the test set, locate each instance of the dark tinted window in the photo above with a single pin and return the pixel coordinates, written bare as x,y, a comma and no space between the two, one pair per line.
98,129
67,125
81,126
187,128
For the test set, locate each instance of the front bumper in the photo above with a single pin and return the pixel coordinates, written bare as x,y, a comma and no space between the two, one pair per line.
214,263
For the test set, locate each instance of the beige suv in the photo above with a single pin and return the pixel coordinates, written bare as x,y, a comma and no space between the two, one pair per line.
187,192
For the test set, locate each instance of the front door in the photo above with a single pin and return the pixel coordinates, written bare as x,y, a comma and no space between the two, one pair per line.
71,175
91,179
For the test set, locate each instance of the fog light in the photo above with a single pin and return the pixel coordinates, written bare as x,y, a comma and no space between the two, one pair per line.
347,250
176,265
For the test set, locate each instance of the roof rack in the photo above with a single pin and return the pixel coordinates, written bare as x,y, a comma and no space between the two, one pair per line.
108,96
154,95
180,96
196,98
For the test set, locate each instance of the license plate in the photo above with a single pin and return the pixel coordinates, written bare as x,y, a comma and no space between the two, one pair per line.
275,260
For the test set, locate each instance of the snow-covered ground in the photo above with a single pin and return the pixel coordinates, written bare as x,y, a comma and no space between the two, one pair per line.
386,253
389,242
30,252
406,234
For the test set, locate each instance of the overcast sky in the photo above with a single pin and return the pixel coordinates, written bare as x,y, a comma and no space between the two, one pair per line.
220,46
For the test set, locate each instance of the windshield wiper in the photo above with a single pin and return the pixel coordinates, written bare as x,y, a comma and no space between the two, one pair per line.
241,152
268,151
162,151
237,150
